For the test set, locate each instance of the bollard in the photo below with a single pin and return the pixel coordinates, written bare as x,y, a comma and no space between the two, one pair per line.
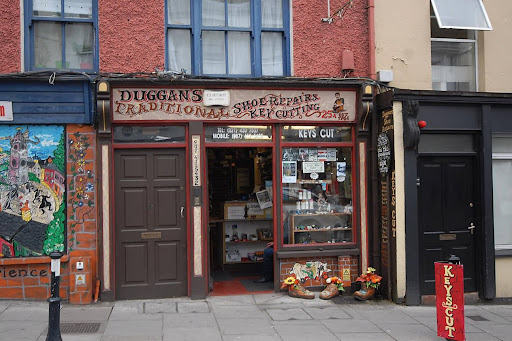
54,300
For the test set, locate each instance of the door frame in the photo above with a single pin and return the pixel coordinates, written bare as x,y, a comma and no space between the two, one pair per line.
477,212
188,218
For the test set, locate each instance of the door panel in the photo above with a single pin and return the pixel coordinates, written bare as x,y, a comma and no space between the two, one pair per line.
150,239
445,196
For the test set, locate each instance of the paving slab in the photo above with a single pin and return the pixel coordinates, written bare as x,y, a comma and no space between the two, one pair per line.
22,329
85,314
408,332
238,312
233,326
502,332
131,314
351,326
388,316
131,338
304,332
251,338
193,334
129,328
231,300
277,299
188,321
288,314
160,307
25,313
491,317
418,311
368,336
327,313
503,311
481,337
193,307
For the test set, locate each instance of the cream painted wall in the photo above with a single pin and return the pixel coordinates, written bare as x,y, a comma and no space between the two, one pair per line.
402,42
495,48
503,277
400,199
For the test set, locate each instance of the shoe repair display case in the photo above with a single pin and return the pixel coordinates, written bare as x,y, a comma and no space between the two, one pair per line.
321,228
247,229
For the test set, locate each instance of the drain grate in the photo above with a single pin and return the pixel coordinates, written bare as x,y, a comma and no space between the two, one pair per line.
477,318
79,328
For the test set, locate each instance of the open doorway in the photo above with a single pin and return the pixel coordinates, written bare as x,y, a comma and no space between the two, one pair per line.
240,218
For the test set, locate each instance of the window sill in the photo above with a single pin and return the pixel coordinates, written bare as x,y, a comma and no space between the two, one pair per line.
317,253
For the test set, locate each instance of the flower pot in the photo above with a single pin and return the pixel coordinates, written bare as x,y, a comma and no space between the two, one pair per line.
330,291
364,294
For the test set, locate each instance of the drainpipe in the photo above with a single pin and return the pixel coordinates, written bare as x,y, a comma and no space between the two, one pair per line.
371,37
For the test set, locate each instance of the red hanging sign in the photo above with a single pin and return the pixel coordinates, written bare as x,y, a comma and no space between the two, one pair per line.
450,301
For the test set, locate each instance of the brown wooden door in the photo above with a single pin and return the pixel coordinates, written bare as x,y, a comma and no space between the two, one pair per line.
446,216
150,231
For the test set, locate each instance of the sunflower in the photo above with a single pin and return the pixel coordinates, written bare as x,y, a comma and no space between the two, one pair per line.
289,281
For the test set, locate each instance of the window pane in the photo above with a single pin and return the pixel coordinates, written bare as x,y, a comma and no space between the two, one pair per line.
134,134
317,195
179,50
272,13
47,45
46,8
272,54
436,32
239,13
79,46
78,8
213,13
502,201
502,144
178,12
214,57
453,66
469,14
239,49
316,134
446,143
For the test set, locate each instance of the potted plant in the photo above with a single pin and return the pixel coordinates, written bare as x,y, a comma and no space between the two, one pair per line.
369,283
333,288
295,289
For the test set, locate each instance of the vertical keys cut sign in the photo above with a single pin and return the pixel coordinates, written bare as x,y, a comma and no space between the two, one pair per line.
450,301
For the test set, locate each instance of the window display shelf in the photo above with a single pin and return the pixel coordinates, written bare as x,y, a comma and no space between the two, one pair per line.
311,228
324,230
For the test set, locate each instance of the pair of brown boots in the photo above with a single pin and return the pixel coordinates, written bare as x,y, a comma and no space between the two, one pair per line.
297,290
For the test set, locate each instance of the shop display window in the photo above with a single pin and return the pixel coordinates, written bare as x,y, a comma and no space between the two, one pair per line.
317,189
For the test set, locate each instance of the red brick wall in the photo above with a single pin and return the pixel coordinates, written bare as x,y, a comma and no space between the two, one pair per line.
132,35
336,264
29,278
317,45
10,37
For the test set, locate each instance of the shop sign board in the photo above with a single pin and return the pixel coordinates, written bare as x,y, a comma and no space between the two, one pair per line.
136,104
238,133
6,111
450,300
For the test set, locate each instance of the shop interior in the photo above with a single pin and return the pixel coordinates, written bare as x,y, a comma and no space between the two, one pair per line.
240,218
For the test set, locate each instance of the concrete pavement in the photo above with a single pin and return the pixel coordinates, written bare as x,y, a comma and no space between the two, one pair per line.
266,317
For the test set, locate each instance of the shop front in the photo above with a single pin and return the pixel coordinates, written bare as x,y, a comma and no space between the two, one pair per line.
47,173
455,178
201,179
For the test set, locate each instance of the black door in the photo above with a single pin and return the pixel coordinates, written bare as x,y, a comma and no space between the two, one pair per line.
151,238
446,217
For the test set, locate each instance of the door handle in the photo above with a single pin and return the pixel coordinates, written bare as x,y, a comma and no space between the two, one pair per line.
471,228
181,212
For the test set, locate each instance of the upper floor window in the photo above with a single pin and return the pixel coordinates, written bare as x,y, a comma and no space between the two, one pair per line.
228,37
453,25
61,34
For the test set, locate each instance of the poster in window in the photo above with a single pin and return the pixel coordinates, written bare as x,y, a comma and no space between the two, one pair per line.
264,199
312,154
303,154
341,171
289,172
290,154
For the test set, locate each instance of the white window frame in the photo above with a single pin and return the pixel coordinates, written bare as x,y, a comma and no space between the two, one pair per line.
484,12
502,156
